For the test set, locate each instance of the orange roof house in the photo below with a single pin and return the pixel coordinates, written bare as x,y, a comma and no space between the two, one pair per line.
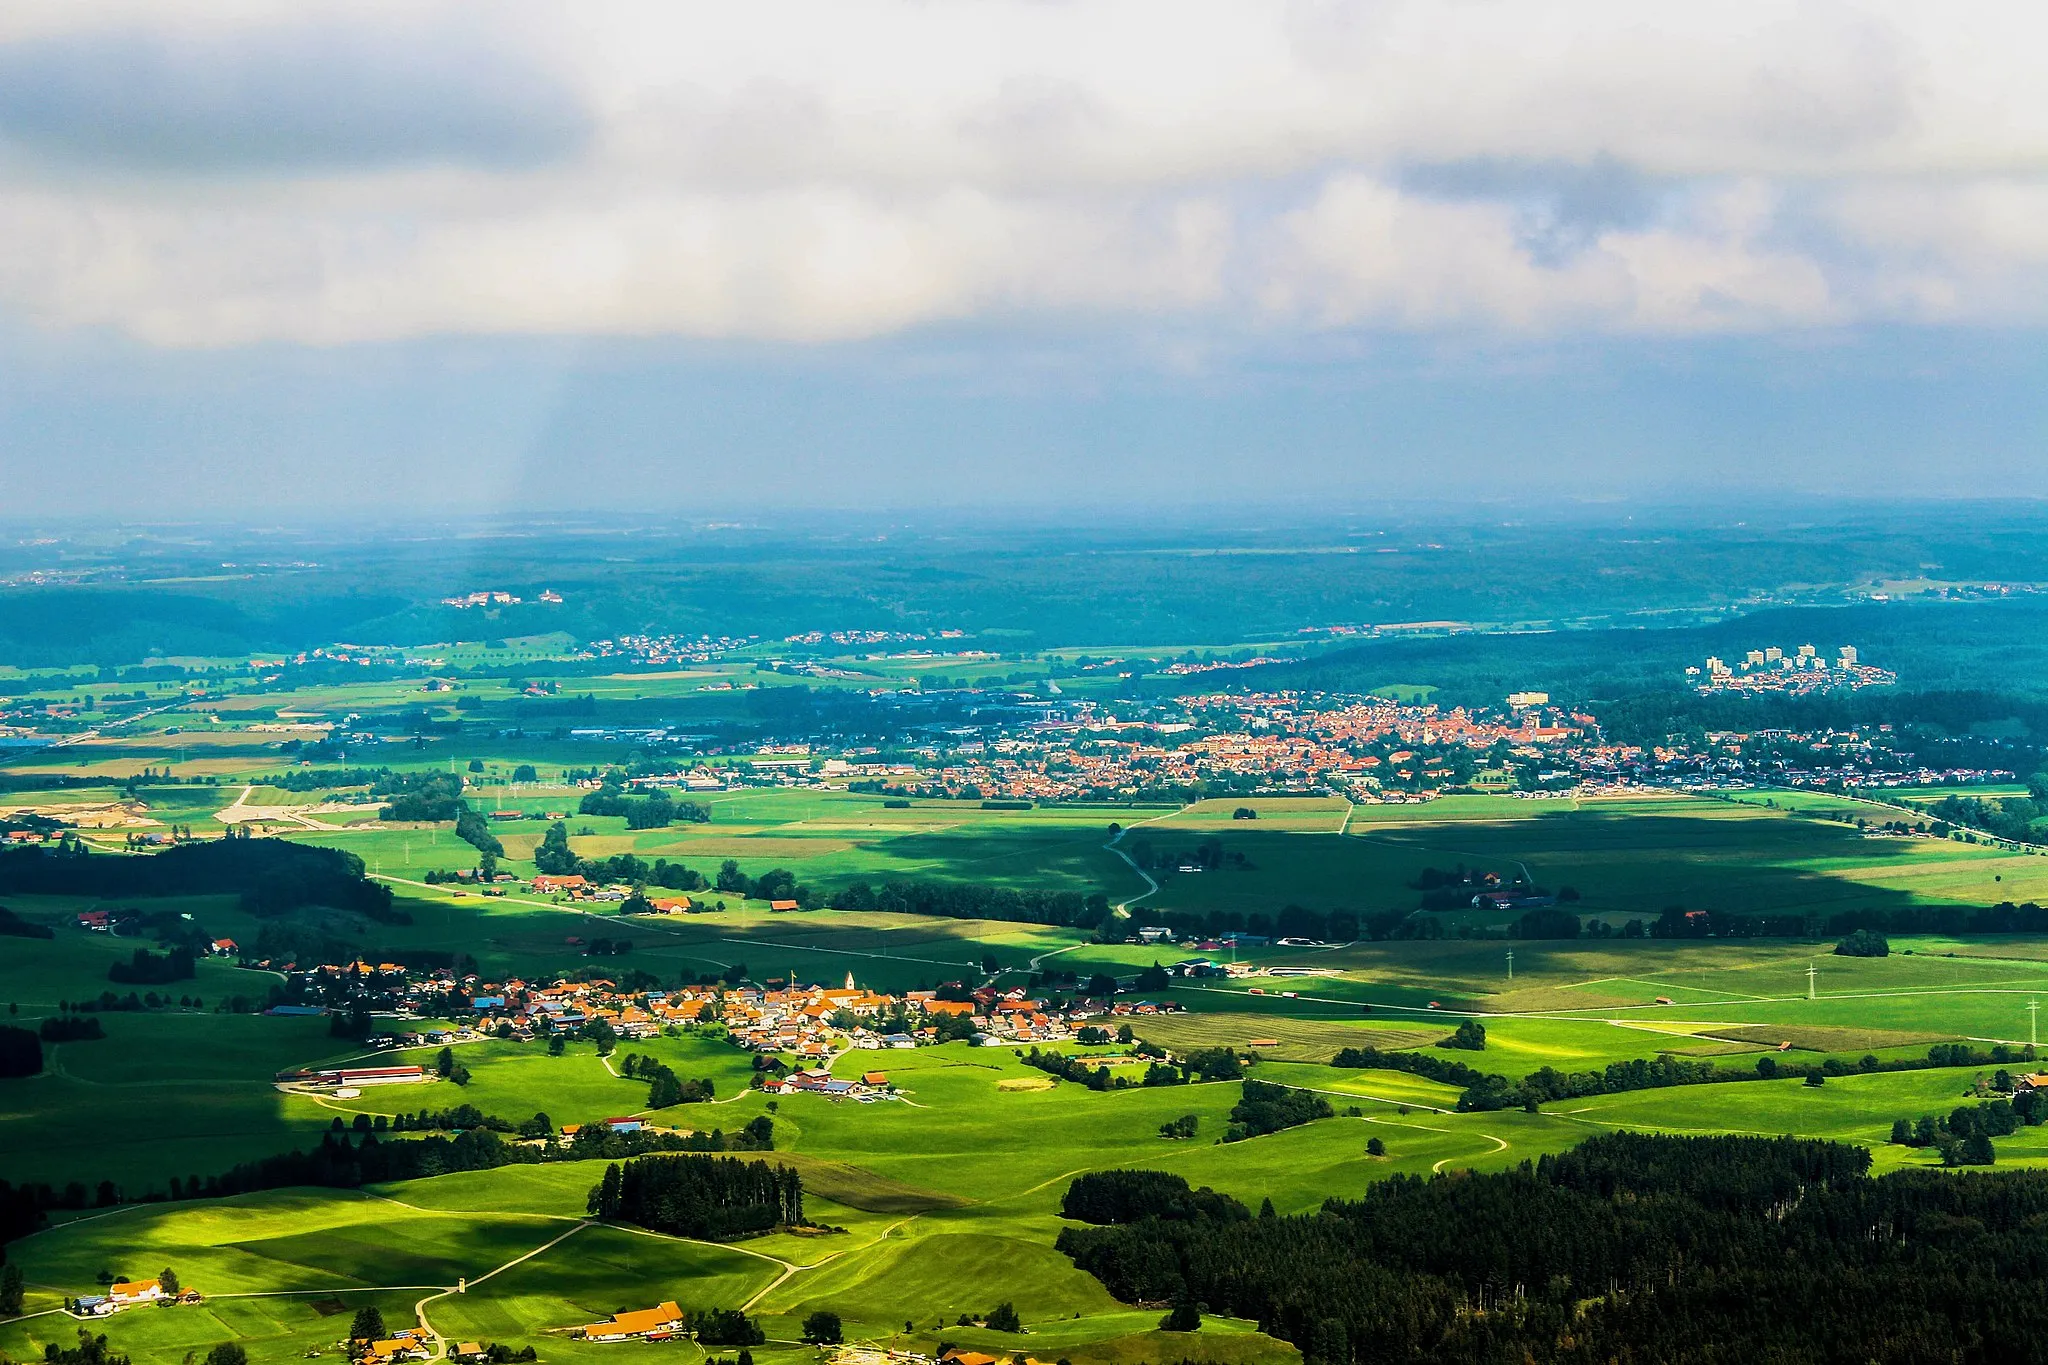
134,1291
641,1322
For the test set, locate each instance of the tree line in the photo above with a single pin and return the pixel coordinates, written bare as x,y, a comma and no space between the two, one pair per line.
272,876
970,900
1489,1091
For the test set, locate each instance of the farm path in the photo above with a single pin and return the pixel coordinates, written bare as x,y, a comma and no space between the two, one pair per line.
1151,885
1500,1144
420,1309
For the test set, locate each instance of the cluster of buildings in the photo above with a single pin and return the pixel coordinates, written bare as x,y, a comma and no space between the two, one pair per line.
482,599
1804,670
669,649
870,637
408,1343
663,1322
122,1294
1278,742
812,1023
1869,758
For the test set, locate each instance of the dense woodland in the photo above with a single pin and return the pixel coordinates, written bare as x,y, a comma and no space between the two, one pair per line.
1627,1248
705,1197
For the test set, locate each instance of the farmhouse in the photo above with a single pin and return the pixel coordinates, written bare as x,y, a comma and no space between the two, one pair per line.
648,1324
546,884
127,1293
2036,1081
370,1075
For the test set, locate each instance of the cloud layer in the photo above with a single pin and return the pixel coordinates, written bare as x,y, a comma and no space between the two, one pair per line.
223,174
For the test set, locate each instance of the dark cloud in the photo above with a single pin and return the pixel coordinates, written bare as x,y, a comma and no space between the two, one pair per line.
301,99
1562,208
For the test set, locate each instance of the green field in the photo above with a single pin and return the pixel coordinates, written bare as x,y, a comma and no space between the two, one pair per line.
947,1202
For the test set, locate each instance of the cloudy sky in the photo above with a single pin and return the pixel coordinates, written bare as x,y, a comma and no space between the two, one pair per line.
262,256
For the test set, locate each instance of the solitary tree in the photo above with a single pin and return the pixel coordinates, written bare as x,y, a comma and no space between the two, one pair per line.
822,1329
368,1325
227,1353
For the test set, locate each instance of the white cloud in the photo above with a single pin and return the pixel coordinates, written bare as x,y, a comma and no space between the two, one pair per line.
222,174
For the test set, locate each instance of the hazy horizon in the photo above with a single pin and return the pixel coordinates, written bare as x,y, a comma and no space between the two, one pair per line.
279,259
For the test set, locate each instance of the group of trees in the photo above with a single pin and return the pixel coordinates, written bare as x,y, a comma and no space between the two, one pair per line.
70,1028
664,1088
1069,1067
14,926
271,876
145,968
725,1327
21,1052
1470,1036
654,808
704,1197
1105,1197
2022,819
776,884
436,797
448,1068
1964,1136
1268,1108
1628,1247
1864,943
554,857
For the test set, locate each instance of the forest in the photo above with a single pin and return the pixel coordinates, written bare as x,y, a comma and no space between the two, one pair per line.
1630,1247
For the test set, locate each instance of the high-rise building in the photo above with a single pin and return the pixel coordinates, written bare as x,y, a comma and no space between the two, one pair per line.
1848,656
1773,654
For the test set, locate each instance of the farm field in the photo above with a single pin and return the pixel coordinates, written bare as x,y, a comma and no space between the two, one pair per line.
945,1200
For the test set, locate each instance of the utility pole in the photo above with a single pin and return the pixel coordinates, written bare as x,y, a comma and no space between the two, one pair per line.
2033,1022
1511,964
1810,971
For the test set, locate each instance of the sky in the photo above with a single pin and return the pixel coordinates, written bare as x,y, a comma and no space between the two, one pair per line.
432,256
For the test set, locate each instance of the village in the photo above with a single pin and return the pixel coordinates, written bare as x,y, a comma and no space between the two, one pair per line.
812,1025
